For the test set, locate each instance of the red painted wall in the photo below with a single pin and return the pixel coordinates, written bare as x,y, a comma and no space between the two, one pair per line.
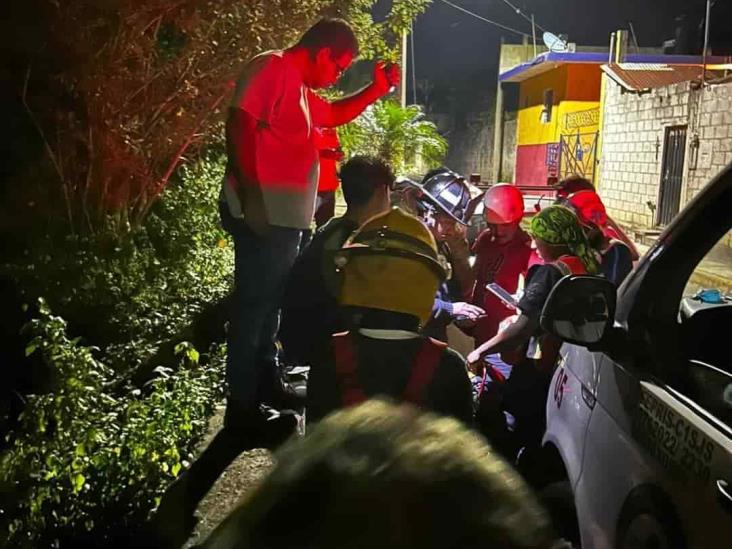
531,166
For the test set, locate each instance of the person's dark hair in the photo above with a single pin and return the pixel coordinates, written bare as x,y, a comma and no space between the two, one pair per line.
332,33
595,237
361,176
573,184
382,475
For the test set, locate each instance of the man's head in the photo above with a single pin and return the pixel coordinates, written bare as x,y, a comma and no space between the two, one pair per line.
443,202
367,182
592,215
503,209
571,185
332,46
557,232
381,475
443,226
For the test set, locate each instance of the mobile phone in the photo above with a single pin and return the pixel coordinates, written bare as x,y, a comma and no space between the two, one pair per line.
501,293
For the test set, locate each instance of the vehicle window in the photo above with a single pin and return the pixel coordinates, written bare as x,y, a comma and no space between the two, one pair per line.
705,316
715,270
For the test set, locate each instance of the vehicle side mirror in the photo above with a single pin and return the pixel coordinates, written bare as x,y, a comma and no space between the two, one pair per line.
580,309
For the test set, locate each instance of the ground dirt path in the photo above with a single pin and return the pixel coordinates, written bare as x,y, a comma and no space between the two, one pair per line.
236,481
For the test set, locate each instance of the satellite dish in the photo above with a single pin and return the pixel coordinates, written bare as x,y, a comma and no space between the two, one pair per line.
554,43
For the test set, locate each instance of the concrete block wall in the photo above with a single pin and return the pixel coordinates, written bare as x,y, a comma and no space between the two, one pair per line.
471,146
632,145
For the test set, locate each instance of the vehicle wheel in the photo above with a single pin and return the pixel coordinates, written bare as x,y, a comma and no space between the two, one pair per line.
558,499
649,521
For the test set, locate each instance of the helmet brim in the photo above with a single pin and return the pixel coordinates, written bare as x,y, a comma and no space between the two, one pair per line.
436,203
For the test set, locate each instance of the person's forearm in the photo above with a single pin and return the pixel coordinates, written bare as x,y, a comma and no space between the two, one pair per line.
241,146
344,110
241,130
442,308
509,339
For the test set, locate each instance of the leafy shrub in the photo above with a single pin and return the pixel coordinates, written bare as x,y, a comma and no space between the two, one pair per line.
398,134
82,458
128,295
95,452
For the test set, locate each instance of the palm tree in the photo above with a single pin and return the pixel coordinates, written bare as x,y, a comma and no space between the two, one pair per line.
399,135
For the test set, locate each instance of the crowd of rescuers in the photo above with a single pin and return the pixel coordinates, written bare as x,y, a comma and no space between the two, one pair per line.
365,301
368,300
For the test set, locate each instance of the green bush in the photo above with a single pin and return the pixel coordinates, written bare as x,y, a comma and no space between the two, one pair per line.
95,453
83,459
128,295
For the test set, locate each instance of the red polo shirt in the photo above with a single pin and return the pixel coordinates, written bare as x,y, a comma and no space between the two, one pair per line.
326,140
502,264
272,91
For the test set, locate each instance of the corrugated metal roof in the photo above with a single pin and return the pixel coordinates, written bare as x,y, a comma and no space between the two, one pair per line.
639,77
550,60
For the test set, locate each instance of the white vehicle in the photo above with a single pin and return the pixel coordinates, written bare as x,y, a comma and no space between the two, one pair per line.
639,412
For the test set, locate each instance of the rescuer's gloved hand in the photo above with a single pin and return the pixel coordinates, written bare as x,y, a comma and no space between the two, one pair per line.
386,76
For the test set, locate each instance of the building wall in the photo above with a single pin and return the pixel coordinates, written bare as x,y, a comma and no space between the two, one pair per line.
575,110
632,152
471,146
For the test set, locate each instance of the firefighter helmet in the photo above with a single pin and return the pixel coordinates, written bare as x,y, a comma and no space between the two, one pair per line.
391,264
446,191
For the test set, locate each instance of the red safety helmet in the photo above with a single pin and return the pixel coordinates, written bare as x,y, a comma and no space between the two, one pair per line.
589,208
503,204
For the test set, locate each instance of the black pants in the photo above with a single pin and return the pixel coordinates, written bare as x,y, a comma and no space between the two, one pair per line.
523,395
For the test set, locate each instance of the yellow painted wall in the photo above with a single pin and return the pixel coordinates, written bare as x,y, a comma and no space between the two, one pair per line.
576,104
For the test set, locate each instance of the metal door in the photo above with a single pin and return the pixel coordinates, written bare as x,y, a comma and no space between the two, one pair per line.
672,174
578,155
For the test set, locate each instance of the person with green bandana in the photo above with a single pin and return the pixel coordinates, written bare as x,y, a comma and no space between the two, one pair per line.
521,396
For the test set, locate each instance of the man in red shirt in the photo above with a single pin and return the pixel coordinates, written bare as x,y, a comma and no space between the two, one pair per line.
268,196
502,254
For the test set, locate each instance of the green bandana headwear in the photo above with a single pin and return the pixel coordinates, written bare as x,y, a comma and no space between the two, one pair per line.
559,226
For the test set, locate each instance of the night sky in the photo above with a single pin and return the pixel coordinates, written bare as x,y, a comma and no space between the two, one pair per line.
455,49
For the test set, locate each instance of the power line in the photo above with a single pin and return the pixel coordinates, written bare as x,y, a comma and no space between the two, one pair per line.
527,17
499,25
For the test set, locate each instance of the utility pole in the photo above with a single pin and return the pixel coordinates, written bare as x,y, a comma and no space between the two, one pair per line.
706,42
533,32
414,64
403,79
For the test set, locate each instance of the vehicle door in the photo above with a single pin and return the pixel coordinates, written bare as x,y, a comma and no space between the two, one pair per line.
658,456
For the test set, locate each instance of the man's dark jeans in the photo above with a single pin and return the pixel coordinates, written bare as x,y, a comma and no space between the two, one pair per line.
261,266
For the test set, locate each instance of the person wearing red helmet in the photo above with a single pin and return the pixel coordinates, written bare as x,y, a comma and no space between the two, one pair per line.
616,255
502,254
576,183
